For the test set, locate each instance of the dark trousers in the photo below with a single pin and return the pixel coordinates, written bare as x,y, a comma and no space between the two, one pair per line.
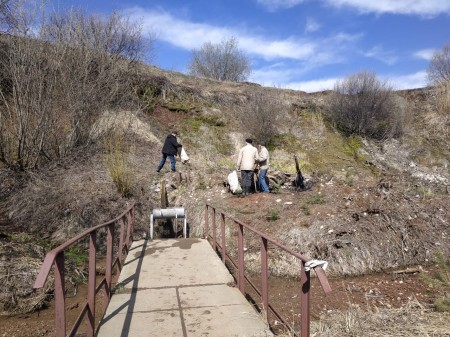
247,177
163,161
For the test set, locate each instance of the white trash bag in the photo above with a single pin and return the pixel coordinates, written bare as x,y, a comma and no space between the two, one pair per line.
233,181
183,155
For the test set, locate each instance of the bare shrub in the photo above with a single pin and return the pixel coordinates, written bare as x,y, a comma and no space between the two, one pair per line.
223,61
438,121
6,19
54,86
261,114
443,98
439,68
362,105
18,16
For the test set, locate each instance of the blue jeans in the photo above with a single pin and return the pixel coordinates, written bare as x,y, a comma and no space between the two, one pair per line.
262,181
163,161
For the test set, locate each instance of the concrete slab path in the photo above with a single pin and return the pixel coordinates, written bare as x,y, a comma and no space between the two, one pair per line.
178,287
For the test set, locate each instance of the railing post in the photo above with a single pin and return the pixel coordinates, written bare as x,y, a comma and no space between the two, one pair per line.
127,218
60,299
91,284
224,245
241,278
264,277
214,234
304,298
109,261
132,219
206,229
120,248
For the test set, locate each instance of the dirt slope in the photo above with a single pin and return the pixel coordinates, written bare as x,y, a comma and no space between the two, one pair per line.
374,207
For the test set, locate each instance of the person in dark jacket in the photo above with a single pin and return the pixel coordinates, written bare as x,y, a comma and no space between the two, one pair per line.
170,149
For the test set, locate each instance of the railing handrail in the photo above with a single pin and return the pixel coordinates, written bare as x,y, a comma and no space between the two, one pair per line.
268,238
55,258
51,255
240,268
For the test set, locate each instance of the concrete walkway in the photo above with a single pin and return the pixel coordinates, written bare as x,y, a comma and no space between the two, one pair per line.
178,287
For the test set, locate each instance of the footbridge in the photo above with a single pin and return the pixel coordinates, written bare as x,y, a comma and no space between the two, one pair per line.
217,285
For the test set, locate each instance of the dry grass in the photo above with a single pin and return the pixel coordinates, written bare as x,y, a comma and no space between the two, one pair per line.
17,277
119,154
412,320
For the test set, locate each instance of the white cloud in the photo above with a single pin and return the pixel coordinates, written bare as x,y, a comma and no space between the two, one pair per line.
181,33
288,48
427,8
314,85
283,75
408,7
189,35
276,74
311,25
378,53
409,81
425,54
272,78
273,5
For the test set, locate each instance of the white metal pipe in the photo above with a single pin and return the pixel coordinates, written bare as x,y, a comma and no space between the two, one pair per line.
168,213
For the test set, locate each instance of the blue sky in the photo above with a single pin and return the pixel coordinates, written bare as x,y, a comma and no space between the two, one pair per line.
298,44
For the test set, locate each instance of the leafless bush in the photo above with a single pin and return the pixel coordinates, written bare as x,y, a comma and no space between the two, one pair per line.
18,16
223,61
443,98
261,114
6,19
439,68
437,122
363,105
55,85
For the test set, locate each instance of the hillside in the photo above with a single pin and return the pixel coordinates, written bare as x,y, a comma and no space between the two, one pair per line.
374,206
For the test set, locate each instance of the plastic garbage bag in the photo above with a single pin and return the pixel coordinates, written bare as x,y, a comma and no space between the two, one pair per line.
233,181
183,155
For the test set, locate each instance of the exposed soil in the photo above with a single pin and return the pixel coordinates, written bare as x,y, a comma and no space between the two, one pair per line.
42,322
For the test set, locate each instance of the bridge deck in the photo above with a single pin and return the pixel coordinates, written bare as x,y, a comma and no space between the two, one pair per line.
178,287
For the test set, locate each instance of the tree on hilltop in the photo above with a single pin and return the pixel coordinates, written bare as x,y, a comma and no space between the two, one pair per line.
223,61
439,68
365,106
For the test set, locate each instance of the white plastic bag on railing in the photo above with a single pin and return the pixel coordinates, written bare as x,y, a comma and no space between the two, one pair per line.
233,181
316,263
183,155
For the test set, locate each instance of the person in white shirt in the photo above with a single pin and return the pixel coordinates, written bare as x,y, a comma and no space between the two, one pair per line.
263,159
248,157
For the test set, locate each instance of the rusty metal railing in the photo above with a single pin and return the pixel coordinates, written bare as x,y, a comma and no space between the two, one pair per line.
55,258
242,277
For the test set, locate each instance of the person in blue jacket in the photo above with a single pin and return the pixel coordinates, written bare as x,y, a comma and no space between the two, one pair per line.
170,149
